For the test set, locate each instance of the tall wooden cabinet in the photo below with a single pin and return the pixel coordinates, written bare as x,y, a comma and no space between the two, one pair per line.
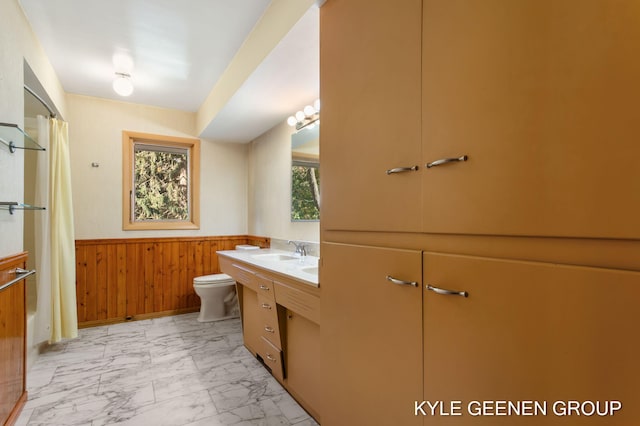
540,99
496,141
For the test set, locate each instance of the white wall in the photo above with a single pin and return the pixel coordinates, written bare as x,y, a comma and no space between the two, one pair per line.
95,134
245,188
270,188
18,43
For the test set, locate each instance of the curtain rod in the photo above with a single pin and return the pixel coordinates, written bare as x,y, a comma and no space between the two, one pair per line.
52,114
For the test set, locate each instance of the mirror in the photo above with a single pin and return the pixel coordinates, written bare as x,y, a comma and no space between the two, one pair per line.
305,174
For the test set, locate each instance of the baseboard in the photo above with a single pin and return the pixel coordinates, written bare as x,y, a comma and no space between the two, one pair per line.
140,317
17,409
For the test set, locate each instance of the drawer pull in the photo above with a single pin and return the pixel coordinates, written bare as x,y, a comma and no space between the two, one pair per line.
401,282
447,160
266,306
271,358
269,329
264,287
402,170
447,292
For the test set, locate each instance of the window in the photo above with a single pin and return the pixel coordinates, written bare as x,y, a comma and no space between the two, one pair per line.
160,182
305,190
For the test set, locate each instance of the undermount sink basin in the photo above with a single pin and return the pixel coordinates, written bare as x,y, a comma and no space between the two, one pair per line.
276,257
313,270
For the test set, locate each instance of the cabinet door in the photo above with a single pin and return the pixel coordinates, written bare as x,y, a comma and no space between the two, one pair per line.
531,332
251,321
370,73
542,97
371,336
303,358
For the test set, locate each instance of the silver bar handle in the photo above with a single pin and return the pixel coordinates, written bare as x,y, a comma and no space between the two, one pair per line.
402,170
271,358
269,329
266,306
401,282
21,274
447,160
264,287
447,292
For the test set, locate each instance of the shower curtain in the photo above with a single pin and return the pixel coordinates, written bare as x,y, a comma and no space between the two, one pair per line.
42,329
56,258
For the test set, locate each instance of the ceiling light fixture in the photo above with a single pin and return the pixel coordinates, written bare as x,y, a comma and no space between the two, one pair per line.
309,115
123,85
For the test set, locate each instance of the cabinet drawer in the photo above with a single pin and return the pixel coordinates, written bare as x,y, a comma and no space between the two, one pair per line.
242,275
272,358
298,301
265,286
269,326
267,307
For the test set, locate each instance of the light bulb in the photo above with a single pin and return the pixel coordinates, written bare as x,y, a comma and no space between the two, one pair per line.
300,115
122,85
309,111
291,121
316,105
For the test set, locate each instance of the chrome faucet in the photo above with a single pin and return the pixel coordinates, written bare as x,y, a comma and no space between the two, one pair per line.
301,248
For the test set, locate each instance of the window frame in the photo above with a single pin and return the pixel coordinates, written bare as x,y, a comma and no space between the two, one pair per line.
129,139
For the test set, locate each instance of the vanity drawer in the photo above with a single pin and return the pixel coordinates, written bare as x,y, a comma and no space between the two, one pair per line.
267,307
299,301
269,325
242,275
272,358
265,287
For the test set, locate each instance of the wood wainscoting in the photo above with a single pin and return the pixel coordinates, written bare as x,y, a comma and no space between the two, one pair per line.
128,279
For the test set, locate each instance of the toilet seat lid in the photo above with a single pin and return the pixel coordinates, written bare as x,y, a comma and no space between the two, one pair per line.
214,279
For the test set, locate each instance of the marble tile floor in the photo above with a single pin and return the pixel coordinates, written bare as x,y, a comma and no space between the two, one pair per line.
169,371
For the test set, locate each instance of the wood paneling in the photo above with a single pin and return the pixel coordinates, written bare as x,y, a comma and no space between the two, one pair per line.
13,394
122,279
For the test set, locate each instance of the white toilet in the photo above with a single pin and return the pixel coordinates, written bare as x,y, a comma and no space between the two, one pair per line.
218,298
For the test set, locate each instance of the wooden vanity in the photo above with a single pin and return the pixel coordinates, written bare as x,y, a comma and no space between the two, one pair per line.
280,325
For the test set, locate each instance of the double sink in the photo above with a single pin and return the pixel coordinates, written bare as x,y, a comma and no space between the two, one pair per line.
306,264
301,268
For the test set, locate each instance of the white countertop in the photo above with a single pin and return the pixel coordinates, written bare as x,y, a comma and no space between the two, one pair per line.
298,268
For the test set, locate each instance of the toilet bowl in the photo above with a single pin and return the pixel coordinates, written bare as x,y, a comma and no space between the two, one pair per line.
217,297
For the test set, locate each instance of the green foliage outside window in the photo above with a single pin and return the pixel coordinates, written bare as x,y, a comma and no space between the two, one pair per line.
305,192
161,185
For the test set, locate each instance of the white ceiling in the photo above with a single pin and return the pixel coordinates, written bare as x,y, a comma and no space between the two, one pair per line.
177,51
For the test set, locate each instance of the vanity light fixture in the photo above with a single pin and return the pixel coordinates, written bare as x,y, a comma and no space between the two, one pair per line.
308,116
123,85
